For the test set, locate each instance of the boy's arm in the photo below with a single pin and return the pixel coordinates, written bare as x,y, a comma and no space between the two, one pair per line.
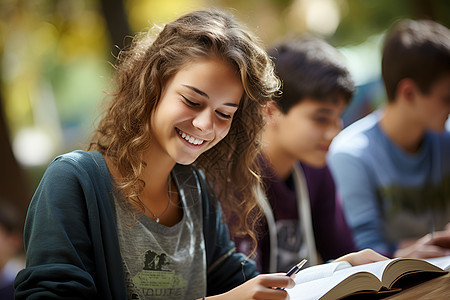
362,211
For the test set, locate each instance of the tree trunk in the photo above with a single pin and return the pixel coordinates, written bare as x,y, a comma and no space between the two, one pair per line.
14,184
117,24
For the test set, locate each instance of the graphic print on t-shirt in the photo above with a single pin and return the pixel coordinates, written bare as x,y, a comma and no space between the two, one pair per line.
153,261
290,244
157,279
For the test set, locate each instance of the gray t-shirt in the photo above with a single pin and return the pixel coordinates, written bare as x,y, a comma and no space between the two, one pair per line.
163,262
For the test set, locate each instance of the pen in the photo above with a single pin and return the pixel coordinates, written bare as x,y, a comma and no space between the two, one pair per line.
294,270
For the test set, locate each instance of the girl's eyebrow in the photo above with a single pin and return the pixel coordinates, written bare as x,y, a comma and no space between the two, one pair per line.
201,93
231,104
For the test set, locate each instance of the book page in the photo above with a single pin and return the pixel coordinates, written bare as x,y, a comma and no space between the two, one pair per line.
340,277
402,266
376,268
396,267
320,271
318,288
328,276
441,262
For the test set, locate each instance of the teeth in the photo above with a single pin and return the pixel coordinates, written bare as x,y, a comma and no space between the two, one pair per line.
190,139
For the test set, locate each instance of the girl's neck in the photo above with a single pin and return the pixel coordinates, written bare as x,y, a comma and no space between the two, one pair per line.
156,172
160,195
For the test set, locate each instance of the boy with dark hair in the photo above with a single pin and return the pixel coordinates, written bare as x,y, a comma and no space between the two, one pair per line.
303,217
392,168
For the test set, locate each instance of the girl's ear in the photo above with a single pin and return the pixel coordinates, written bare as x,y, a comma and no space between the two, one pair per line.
271,113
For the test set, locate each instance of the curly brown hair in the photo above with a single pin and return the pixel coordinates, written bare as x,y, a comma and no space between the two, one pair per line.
141,73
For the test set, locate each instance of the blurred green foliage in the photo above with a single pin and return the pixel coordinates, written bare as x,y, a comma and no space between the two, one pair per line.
363,18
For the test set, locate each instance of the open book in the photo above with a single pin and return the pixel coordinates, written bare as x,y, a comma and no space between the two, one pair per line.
340,279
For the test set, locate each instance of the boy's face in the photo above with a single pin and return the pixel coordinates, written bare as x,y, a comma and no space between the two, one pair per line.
305,132
433,108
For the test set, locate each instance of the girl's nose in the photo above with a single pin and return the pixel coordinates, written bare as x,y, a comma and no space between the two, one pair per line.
204,120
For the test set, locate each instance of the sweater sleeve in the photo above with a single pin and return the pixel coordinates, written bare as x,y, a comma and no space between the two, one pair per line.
226,268
70,236
57,242
360,205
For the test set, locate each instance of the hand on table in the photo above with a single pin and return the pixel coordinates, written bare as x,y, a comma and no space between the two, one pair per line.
362,257
428,246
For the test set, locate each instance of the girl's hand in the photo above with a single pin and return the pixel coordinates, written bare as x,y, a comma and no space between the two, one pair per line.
260,287
362,257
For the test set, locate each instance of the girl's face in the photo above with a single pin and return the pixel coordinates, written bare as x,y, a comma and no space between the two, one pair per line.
196,109
305,132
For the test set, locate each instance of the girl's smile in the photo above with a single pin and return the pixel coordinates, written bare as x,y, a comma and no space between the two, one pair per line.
191,140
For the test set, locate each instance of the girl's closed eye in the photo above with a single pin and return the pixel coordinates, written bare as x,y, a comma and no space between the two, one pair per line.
189,102
193,104
223,115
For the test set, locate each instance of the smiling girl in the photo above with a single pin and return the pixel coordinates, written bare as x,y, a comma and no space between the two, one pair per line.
131,217
134,217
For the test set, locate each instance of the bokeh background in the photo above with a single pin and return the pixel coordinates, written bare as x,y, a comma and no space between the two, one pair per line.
56,55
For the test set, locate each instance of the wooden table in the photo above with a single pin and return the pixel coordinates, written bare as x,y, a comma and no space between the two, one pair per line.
433,289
